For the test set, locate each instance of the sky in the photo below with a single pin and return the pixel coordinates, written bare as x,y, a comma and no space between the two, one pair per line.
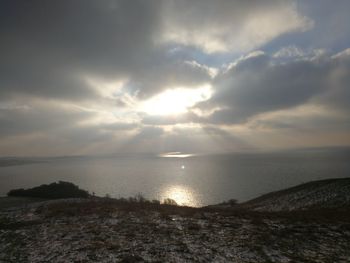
194,76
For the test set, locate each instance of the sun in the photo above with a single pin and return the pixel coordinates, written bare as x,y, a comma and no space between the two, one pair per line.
175,101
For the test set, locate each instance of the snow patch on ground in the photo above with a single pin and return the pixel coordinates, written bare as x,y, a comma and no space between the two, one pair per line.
35,234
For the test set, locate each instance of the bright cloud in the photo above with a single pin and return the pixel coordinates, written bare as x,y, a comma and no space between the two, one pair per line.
230,26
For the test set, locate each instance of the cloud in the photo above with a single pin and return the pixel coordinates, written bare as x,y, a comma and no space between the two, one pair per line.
50,48
167,74
39,118
258,83
166,120
75,74
337,96
331,21
51,128
229,26
184,138
305,118
292,52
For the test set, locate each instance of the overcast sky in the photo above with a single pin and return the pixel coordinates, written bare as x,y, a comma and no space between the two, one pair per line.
96,77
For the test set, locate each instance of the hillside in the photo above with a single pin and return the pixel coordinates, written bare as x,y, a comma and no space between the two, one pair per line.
323,194
299,224
104,230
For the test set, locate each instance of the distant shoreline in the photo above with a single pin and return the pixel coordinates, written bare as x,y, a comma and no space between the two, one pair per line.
7,162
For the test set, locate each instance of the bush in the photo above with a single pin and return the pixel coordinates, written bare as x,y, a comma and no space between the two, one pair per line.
169,201
52,191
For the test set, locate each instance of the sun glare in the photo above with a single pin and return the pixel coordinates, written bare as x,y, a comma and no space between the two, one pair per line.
175,101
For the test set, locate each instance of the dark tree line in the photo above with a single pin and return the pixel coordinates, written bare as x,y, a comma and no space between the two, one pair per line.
52,191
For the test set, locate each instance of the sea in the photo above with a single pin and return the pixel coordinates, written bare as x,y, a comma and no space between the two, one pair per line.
193,180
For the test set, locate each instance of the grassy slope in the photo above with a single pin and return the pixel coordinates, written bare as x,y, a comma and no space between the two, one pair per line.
329,193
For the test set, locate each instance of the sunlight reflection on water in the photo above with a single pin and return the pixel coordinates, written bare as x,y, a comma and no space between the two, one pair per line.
183,195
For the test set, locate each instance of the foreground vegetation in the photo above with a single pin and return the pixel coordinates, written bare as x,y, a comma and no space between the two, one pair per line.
138,230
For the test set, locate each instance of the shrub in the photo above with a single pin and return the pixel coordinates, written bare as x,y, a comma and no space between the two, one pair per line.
169,201
52,191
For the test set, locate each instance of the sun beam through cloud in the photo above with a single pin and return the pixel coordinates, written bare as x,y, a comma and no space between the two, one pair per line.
175,101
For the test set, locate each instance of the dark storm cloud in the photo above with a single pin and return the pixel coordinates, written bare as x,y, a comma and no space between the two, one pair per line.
258,83
48,47
48,44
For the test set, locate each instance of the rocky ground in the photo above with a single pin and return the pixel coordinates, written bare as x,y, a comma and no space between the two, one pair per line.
112,231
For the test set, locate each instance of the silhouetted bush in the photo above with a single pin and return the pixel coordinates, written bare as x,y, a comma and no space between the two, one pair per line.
52,191
169,201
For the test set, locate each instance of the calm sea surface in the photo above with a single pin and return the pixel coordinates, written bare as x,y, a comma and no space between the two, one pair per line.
196,180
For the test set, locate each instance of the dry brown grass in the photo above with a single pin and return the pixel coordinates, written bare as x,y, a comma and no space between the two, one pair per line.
107,206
